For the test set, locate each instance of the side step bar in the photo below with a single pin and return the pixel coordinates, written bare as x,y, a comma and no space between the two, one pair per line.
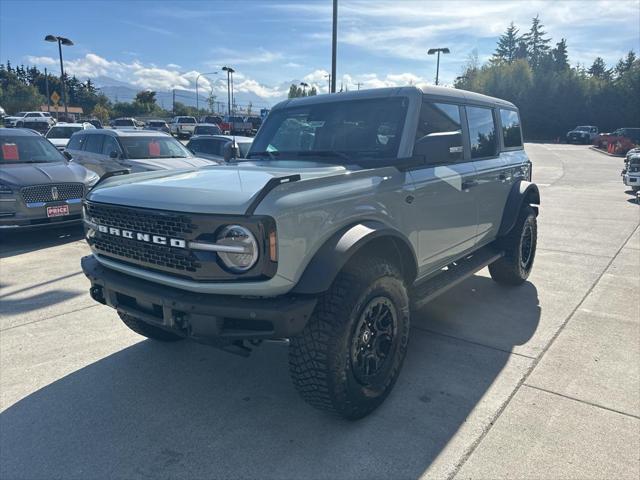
453,274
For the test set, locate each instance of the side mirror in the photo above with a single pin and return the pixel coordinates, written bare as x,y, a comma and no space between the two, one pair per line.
230,151
114,154
67,155
438,148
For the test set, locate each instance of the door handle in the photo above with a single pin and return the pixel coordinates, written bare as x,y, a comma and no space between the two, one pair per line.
468,184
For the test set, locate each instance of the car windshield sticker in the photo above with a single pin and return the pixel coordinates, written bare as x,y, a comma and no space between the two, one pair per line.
154,149
10,151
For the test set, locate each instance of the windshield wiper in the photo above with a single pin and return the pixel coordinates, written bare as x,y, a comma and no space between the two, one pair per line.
271,155
324,153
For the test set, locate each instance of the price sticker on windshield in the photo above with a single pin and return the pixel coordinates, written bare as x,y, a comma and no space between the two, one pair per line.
154,149
10,151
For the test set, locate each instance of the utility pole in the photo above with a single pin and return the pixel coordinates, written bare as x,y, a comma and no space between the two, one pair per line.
334,39
359,84
229,71
173,105
328,76
437,50
61,41
46,87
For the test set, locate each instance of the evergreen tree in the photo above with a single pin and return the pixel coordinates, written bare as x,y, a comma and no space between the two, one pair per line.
507,45
537,44
560,56
599,69
522,51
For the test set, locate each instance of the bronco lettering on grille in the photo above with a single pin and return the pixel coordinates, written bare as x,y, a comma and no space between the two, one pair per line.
143,237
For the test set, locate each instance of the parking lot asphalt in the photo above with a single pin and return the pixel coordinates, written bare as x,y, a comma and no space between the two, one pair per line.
539,381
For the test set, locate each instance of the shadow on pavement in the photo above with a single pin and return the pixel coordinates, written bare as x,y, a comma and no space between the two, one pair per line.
16,243
189,411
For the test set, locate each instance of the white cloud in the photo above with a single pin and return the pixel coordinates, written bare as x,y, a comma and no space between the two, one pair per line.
41,61
229,56
173,65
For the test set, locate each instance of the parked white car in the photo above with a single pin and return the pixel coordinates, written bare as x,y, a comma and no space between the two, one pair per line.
21,119
182,127
60,133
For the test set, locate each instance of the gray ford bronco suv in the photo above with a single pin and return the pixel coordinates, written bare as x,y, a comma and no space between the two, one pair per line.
349,210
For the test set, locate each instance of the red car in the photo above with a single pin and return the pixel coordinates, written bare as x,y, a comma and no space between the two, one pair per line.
620,141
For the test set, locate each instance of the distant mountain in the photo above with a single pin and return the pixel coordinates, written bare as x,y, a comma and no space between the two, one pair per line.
118,91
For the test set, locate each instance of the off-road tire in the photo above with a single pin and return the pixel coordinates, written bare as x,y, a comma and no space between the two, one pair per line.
514,268
147,330
321,359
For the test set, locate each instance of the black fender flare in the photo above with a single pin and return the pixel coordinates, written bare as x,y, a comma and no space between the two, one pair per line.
522,192
336,252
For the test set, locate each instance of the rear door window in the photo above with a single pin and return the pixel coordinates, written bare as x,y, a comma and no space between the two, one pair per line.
482,132
511,132
110,145
94,143
439,118
77,141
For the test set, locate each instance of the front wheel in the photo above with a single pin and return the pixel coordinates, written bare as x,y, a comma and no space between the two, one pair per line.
519,247
349,356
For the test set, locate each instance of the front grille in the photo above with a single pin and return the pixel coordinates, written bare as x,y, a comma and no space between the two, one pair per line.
184,262
147,221
167,224
151,254
52,192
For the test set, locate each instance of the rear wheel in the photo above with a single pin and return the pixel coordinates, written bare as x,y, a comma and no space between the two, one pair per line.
347,359
519,246
148,330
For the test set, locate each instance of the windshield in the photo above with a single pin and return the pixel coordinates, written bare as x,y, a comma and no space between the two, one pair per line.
62,132
124,123
153,147
244,148
27,149
186,120
582,129
207,130
156,124
351,130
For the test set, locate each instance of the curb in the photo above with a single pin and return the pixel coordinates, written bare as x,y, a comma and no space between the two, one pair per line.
605,152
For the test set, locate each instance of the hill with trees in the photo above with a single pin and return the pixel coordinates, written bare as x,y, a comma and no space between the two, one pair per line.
553,96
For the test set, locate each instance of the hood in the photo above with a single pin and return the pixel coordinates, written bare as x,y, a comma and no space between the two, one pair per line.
23,174
169,163
224,189
59,142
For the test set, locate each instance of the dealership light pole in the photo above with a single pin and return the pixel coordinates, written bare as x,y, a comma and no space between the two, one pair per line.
197,78
438,51
229,71
304,88
334,39
67,43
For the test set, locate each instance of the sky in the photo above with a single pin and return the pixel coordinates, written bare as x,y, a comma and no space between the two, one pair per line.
166,44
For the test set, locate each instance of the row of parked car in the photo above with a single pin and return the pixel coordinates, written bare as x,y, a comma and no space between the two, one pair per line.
631,171
618,142
44,178
184,126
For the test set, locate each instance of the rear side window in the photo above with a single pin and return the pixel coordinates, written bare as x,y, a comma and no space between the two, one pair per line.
482,132
77,141
94,143
440,118
206,146
511,128
110,145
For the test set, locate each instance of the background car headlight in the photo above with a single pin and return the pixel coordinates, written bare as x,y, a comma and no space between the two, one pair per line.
246,246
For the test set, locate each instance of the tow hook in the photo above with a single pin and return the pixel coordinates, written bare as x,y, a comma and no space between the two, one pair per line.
97,294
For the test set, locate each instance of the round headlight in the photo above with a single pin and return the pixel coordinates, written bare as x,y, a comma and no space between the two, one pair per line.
242,253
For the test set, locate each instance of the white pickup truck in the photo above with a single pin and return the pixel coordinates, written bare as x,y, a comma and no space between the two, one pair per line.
182,127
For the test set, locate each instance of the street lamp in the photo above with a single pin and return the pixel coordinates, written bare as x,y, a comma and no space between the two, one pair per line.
229,71
197,78
438,51
67,43
304,88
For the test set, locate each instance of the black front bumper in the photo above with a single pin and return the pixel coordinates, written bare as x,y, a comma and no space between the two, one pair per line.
204,317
